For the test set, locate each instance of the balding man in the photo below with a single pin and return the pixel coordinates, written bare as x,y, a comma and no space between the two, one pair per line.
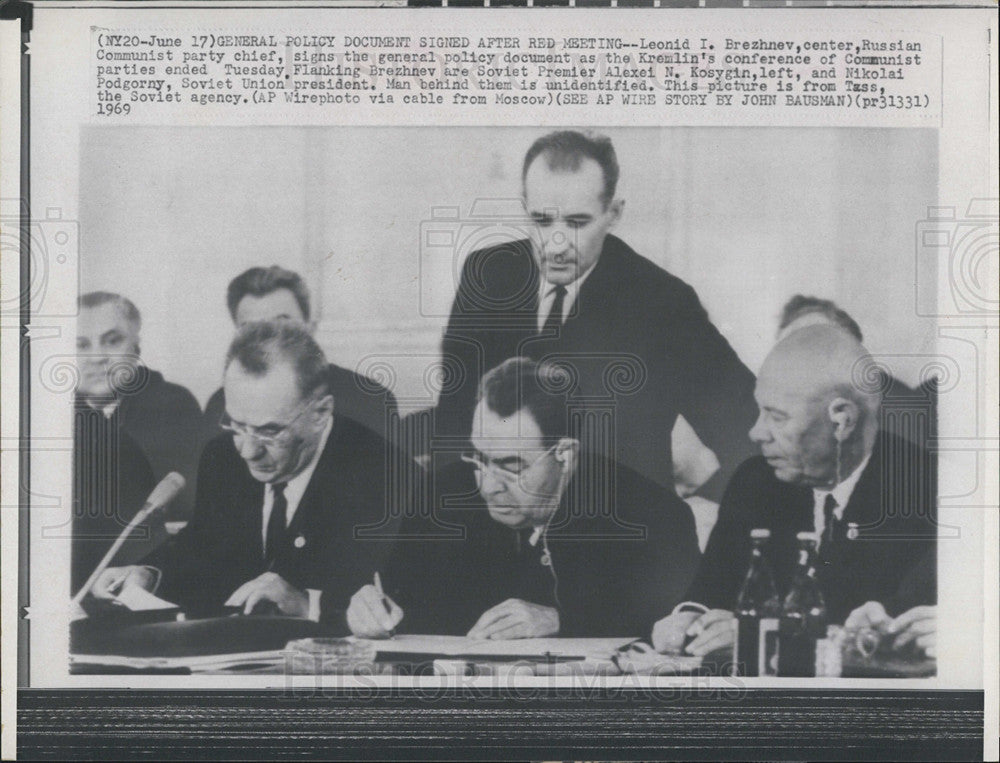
114,384
910,412
825,466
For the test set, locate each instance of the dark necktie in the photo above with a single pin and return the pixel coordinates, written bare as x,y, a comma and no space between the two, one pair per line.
554,320
830,521
276,523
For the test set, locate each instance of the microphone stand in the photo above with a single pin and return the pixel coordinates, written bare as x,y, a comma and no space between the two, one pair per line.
139,518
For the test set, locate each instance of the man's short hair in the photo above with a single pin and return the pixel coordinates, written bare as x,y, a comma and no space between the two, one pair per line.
259,282
565,149
260,345
800,305
125,306
524,383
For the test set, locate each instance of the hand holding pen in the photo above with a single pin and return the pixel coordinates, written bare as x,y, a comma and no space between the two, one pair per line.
372,614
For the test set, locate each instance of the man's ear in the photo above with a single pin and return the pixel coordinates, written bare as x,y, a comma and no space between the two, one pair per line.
325,406
844,414
567,453
616,208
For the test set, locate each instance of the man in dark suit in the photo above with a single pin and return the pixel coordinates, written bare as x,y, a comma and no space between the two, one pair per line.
545,538
162,418
274,293
111,479
637,347
293,508
825,467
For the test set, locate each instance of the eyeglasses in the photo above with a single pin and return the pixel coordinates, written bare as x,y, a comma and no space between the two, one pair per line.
507,467
268,434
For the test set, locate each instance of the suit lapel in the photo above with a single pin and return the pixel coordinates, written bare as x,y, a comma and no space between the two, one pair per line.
302,522
319,495
594,288
248,508
594,291
598,287
860,509
586,309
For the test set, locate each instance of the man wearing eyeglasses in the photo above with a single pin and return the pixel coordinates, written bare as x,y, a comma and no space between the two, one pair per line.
553,539
291,512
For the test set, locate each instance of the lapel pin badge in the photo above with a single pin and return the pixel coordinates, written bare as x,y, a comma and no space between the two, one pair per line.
852,531
299,541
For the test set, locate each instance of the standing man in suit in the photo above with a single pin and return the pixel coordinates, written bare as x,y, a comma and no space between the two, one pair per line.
293,508
635,341
552,540
825,466
274,293
162,418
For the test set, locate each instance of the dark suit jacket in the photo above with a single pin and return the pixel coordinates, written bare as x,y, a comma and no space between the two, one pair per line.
893,559
165,420
346,521
623,556
356,397
639,347
111,479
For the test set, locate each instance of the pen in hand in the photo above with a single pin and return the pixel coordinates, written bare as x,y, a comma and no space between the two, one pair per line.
385,603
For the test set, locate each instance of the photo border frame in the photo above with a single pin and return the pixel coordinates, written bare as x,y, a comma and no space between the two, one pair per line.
696,723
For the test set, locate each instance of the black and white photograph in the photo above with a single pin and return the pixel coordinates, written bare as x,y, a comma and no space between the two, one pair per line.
582,402
517,362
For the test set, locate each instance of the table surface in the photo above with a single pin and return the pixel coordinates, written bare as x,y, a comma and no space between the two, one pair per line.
260,645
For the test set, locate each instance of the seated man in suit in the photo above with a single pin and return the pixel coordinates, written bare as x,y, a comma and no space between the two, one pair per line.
292,509
111,479
636,340
825,467
274,293
550,539
163,419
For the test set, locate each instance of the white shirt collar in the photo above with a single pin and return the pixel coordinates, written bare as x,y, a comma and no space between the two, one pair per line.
841,493
546,296
295,488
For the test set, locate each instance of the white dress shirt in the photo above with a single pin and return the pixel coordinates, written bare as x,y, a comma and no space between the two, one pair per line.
295,488
841,494
547,295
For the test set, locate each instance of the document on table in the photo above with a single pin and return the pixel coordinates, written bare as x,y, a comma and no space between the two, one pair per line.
461,646
138,599
206,663
133,598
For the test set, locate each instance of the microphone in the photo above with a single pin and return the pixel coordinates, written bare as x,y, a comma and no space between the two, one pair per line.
162,494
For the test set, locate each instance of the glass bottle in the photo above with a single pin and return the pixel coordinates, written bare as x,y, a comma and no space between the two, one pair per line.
757,611
803,615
